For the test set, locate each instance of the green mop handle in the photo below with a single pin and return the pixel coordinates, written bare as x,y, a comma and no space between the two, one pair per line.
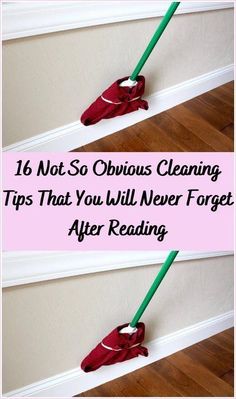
164,269
163,24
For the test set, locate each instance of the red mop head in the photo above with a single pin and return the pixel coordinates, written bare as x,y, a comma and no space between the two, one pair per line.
116,347
115,101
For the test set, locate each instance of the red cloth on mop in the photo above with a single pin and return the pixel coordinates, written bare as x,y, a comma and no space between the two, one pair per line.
115,101
116,347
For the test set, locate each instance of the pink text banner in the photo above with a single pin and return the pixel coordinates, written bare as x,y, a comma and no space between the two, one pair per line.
118,201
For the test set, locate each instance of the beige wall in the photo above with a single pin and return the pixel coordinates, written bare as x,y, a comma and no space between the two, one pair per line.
49,327
49,80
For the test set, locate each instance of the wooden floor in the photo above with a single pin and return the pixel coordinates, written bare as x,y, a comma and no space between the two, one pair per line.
204,369
204,123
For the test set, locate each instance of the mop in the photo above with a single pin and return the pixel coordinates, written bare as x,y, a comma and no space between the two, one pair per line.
125,95
125,341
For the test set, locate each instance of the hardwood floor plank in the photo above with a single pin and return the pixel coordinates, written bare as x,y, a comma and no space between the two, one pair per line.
215,119
217,104
224,341
100,145
152,383
181,382
220,353
80,149
124,387
222,95
147,133
201,375
229,377
105,390
157,138
230,85
142,382
202,129
128,140
229,131
228,92
206,359
230,332
184,138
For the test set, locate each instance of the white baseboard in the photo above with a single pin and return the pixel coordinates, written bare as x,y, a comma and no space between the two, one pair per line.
75,381
74,135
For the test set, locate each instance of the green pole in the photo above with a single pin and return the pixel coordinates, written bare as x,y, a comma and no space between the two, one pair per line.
164,269
163,24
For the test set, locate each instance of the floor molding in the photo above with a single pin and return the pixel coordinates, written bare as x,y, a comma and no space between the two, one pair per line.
74,381
74,135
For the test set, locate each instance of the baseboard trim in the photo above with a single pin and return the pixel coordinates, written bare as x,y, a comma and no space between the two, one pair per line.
74,135
75,381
